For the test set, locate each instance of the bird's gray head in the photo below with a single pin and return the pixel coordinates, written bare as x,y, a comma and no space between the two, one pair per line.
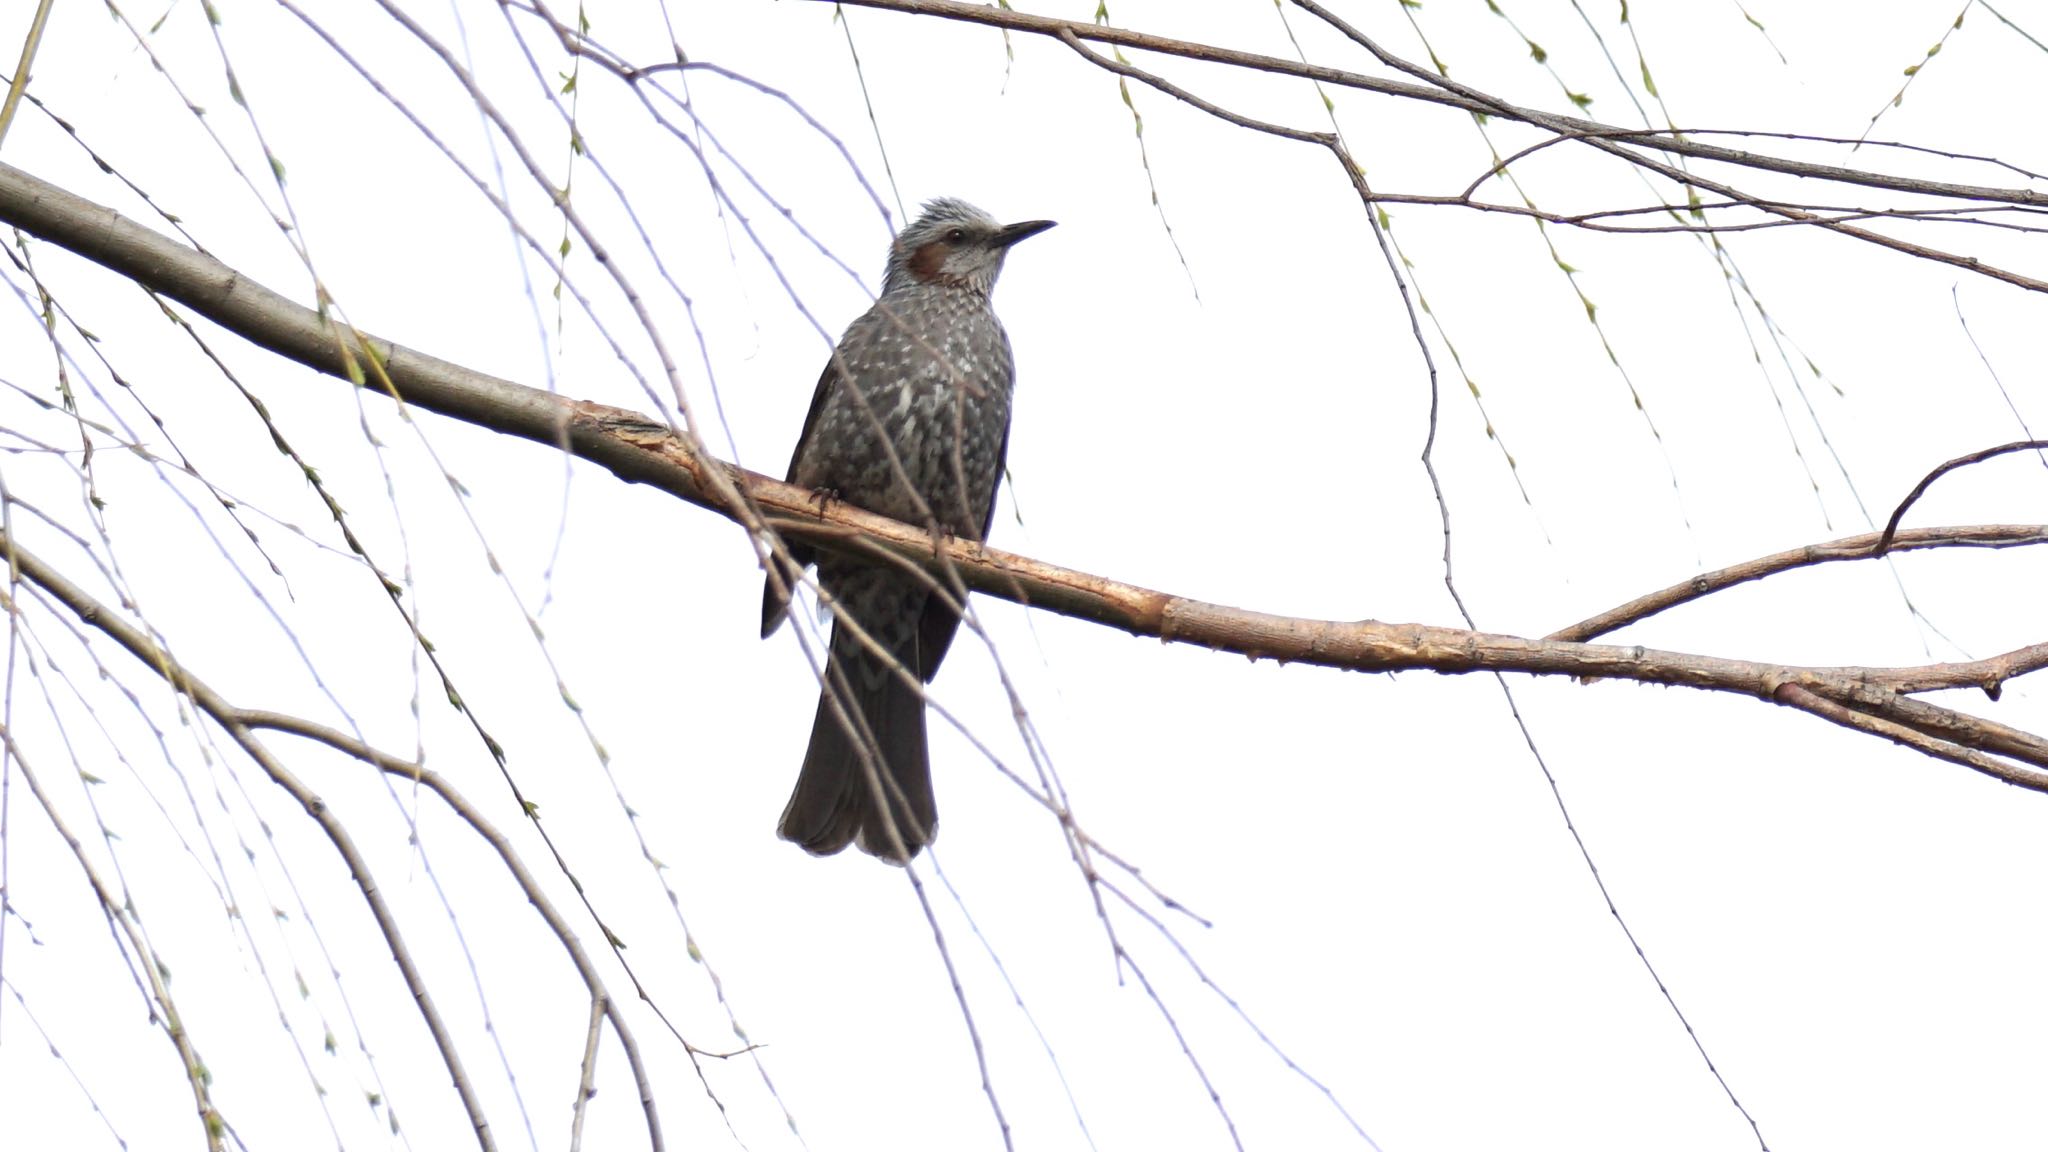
956,245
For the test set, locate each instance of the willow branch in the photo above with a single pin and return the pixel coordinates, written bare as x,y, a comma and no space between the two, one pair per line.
1438,89
242,723
150,971
1455,96
144,649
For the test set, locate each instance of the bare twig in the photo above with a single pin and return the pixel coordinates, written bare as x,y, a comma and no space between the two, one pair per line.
163,1009
1468,100
988,1086
1891,527
1861,547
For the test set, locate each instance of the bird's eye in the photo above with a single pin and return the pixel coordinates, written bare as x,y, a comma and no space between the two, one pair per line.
955,235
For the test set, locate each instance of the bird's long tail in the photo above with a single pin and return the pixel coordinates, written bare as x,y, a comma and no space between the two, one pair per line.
841,795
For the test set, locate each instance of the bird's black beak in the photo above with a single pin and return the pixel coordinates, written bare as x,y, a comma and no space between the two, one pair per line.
1009,234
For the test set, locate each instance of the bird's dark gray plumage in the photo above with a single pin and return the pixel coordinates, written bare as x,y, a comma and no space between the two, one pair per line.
911,420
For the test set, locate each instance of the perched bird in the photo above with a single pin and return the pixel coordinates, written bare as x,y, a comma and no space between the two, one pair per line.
910,420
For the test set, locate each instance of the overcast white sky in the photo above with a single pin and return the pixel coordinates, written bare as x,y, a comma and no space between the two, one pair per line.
1231,410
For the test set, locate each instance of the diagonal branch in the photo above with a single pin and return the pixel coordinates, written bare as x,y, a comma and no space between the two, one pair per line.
639,450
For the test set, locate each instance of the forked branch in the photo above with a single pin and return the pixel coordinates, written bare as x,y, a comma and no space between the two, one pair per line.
1638,146
642,451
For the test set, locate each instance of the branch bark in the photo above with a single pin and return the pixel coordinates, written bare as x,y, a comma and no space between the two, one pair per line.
643,451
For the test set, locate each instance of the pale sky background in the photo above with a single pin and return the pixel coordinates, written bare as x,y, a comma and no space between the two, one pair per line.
1233,412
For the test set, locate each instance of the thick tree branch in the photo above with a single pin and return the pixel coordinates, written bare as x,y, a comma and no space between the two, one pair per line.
642,451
